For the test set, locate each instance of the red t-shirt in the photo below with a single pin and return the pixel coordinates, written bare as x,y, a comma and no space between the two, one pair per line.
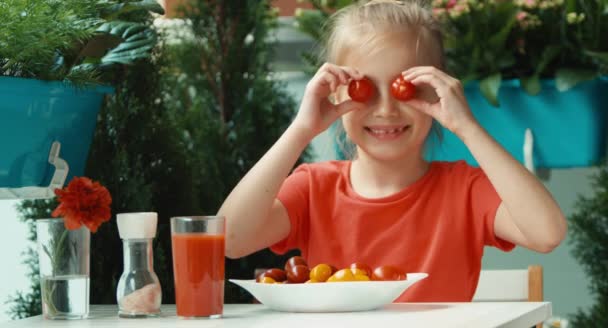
438,225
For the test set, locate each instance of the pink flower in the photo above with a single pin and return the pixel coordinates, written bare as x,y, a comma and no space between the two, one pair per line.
521,15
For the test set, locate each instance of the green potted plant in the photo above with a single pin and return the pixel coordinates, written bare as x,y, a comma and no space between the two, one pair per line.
57,60
542,62
527,40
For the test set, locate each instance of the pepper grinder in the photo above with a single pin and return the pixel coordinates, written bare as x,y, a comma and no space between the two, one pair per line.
138,293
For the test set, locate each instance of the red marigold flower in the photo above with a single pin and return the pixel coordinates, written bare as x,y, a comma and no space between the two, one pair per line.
83,201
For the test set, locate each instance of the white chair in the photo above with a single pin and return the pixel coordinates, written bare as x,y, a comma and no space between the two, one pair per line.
510,286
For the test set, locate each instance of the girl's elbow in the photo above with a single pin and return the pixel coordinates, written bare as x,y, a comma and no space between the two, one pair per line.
232,251
553,239
548,246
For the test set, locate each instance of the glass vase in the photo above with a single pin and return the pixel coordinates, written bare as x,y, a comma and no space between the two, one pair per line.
63,257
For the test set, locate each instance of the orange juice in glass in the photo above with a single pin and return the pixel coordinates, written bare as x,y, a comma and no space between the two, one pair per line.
198,247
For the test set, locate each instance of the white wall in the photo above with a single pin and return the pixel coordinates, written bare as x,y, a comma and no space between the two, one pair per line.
13,242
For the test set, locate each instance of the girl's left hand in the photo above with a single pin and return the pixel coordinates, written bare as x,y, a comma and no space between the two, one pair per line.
452,110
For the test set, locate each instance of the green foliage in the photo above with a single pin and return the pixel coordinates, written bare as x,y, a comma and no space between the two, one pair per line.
589,237
313,22
223,94
80,41
495,40
178,134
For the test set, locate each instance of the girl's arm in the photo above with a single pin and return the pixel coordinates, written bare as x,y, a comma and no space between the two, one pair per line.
254,217
528,215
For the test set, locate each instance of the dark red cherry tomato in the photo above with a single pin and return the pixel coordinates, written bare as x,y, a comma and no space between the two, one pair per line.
277,275
333,269
363,267
293,261
361,90
298,274
388,272
402,90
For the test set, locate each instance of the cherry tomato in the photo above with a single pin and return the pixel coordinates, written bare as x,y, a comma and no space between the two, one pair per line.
361,277
267,280
298,274
361,90
277,275
402,90
342,275
360,268
293,261
388,272
333,269
320,272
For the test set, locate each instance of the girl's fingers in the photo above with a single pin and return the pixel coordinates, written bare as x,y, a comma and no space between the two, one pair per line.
353,73
440,86
414,72
331,80
342,77
339,72
345,107
344,73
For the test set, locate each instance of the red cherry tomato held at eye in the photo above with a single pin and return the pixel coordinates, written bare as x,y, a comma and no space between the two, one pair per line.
361,90
298,274
388,272
403,90
293,261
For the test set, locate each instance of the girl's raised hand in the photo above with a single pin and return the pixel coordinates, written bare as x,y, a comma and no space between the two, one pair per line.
452,110
317,112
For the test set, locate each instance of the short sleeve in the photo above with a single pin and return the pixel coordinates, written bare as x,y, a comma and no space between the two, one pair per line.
294,195
485,202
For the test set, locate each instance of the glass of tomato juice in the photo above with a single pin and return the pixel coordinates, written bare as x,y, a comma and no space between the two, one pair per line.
198,265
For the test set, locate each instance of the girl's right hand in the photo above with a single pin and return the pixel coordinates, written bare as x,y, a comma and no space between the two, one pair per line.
317,112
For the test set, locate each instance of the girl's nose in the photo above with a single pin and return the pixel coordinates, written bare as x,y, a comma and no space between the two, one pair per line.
385,105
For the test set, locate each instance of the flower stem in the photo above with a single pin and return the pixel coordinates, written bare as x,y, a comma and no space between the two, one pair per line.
48,288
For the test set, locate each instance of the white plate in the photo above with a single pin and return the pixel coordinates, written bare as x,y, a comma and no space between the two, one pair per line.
329,297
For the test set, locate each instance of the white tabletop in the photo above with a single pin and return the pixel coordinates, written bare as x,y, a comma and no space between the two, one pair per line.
470,315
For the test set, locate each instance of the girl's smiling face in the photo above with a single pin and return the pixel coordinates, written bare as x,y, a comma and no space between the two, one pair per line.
388,129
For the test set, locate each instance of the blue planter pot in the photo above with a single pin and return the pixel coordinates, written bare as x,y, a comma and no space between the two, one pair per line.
33,115
568,128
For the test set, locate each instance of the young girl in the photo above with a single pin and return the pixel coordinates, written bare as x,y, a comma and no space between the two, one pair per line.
389,206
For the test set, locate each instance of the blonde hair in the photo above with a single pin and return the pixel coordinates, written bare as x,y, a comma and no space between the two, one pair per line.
371,23
366,25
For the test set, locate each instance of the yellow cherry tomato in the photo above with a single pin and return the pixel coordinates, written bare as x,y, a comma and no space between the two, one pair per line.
320,273
311,281
356,271
267,280
342,275
361,277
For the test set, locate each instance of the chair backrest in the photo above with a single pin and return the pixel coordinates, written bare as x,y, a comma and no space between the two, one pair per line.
510,286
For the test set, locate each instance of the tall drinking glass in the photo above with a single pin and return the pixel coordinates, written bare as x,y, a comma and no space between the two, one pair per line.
63,257
198,246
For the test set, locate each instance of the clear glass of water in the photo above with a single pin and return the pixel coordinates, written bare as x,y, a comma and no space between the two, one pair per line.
63,257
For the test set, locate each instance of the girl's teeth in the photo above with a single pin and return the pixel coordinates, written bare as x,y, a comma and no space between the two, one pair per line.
386,131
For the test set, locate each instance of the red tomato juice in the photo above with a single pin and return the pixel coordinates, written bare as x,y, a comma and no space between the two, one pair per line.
198,267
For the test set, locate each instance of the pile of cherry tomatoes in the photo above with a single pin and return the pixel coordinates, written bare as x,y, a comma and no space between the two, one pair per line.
297,271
